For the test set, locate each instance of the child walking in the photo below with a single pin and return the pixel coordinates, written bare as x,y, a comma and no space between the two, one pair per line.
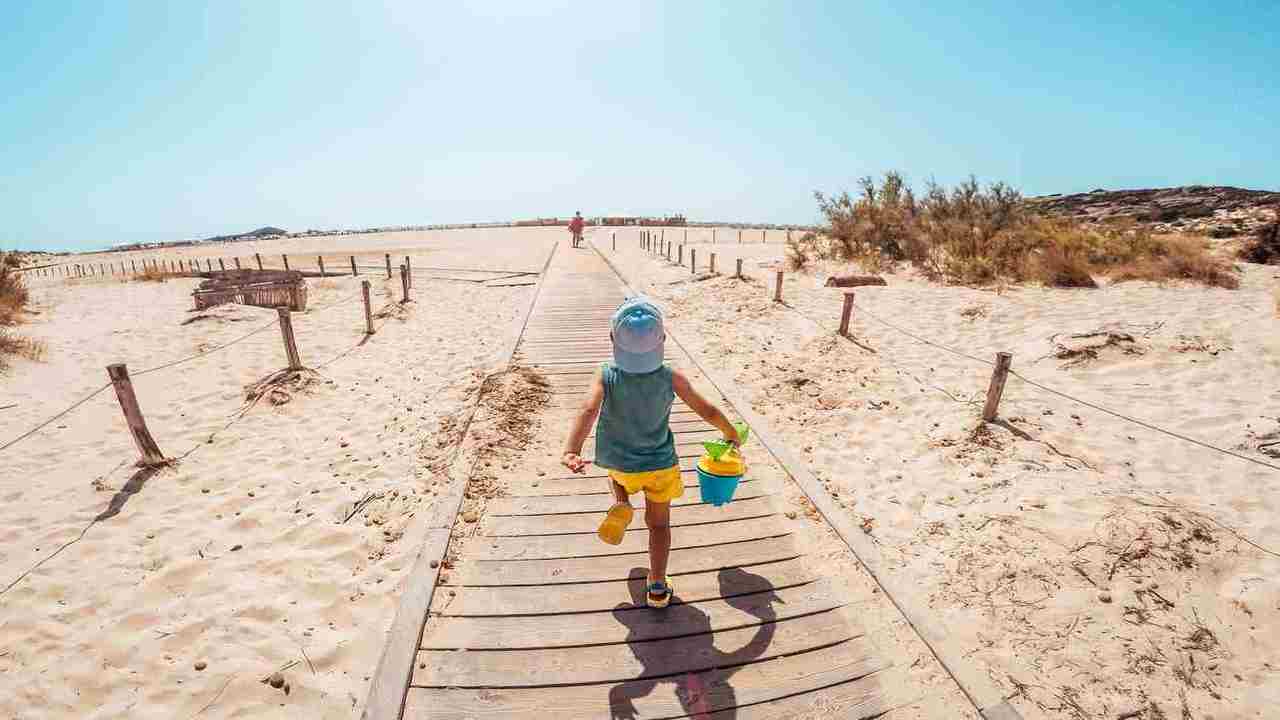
632,397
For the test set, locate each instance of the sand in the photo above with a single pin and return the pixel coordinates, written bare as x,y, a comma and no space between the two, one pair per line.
278,540
1090,566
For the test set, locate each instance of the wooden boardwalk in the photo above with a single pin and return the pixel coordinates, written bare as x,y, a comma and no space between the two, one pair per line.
538,618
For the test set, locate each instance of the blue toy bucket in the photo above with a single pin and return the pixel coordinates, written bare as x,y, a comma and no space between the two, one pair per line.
717,489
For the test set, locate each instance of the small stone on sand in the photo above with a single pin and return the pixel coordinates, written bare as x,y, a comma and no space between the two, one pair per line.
236,547
276,680
791,514
1104,597
201,665
470,516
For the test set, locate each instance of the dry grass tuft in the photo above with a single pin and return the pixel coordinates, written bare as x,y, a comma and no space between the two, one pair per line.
978,235
11,344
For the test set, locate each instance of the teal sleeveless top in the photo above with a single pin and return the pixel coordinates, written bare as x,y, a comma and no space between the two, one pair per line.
634,430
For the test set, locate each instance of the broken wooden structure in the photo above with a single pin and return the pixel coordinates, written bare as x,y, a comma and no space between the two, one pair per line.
262,288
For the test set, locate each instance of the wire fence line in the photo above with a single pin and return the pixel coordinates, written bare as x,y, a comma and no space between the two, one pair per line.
164,366
1043,387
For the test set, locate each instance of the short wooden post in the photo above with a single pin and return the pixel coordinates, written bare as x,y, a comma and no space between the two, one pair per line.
258,257
207,263
354,271
388,266
404,283
680,256
846,313
286,332
237,259
286,261
134,263
101,269
763,235
713,263
668,252
408,271
368,313
777,287
147,447
221,265
739,237
693,261
996,389
320,261
713,236
613,236
686,235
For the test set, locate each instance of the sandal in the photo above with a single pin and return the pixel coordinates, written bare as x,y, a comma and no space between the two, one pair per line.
615,523
659,594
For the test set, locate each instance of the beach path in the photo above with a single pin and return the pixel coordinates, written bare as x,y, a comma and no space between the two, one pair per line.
536,616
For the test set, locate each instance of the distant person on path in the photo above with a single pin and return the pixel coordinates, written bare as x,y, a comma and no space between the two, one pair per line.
632,397
575,228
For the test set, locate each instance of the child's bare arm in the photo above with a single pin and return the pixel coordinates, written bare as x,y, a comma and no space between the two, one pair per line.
572,457
684,389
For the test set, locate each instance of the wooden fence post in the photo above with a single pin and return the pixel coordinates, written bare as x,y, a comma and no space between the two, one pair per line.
680,256
669,252
368,313
846,313
996,389
713,236
221,265
147,447
763,235
101,270
713,263
693,261
614,237
237,259
134,263
408,272
354,271
388,266
207,263
286,332
686,235
404,283
777,287
320,261
286,261
258,257
738,274
739,237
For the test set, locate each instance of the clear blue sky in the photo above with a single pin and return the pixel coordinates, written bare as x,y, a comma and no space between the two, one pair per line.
157,121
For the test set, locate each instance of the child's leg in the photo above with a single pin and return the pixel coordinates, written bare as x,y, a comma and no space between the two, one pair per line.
657,516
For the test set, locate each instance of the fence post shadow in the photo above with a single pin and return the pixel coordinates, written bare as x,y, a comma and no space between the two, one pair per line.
134,486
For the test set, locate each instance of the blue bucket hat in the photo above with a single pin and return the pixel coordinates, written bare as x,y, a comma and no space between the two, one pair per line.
639,339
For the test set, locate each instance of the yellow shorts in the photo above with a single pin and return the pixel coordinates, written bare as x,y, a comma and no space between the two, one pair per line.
660,486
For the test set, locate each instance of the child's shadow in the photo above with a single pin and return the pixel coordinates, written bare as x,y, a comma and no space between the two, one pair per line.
699,695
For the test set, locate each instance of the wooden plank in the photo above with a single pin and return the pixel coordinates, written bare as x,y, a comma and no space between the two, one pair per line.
580,485
618,567
752,602
599,503
547,547
586,522
601,596
611,663
840,681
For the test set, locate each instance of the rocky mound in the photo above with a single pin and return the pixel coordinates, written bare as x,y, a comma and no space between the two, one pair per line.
1217,211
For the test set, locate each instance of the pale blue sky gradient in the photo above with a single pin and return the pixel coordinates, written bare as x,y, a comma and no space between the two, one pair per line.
132,121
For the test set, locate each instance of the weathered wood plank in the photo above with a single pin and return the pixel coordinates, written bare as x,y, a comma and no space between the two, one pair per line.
547,547
618,567
631,621
601,596
840,681
588,522
601,502
620,663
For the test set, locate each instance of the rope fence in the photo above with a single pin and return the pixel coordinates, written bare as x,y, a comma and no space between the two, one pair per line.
656,247
122,381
